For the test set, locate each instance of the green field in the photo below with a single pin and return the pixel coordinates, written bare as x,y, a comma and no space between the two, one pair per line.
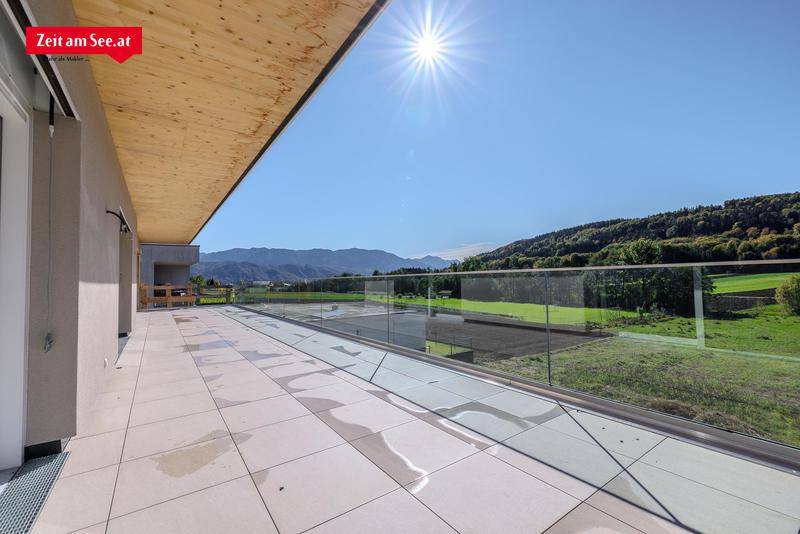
534,313
443,349
748,394
764,329
748,282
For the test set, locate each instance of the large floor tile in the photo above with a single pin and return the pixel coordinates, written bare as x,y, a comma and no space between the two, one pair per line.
768,487
158,410
363,418
102,421
161,436
656,490
281,442
160,477
342,480
527,407
395,513
487,420
339,394
625,439
260,388
297,383
457,431
470,388
483,494
566,483
575,457
262,412
77,502
584,518
233,506
170,389
433,398
413,450
93,452
227,378
295,368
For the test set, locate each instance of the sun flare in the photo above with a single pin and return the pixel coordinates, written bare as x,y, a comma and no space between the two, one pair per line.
428,48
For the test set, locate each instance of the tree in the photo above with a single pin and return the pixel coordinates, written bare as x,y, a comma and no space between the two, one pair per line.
642,252
789,294
197,280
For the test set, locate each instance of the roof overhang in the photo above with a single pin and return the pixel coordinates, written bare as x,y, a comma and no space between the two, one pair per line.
216,84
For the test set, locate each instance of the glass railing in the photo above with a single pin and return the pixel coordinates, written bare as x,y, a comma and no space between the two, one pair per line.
714,343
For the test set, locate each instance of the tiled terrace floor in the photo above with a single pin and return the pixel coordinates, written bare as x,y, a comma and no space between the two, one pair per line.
210,425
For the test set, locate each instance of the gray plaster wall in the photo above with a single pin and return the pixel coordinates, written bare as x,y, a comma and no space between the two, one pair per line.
98,275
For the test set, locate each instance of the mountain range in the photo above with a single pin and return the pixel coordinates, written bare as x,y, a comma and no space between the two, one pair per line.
233,265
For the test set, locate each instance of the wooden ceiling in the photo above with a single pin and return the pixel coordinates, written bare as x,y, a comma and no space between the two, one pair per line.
216,83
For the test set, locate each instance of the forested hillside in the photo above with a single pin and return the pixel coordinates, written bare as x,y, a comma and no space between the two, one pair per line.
763,227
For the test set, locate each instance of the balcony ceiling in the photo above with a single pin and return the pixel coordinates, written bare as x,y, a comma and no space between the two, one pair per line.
215,85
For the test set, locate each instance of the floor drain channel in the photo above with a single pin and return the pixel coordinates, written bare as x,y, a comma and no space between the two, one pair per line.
25,494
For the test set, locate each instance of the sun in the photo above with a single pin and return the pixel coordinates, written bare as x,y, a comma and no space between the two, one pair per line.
428,48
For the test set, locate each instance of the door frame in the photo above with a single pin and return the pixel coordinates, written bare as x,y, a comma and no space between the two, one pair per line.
15,228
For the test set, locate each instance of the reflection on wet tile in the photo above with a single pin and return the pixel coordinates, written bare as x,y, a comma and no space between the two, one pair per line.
433,398
340,393
413,450
154,479
162,436
363,418
487,420
454,429
297,383
528,407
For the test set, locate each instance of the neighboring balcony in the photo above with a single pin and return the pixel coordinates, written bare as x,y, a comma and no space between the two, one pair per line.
294,414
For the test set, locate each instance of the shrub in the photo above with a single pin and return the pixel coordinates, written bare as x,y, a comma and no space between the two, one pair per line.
789,294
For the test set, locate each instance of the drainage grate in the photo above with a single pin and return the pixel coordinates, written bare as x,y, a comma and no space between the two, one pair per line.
26,492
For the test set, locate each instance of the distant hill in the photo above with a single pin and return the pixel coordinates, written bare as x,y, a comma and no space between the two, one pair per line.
231,272
762,227
243,264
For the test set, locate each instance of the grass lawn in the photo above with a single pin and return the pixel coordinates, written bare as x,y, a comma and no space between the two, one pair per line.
300,295
764,329
443,349
524,311
748,282
754,395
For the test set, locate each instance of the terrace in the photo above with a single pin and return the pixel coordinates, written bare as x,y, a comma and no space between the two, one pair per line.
631,399
222,419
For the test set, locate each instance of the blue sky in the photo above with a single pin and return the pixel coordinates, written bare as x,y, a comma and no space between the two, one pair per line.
532,116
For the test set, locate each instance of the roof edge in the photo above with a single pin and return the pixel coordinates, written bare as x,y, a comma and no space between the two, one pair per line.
365,22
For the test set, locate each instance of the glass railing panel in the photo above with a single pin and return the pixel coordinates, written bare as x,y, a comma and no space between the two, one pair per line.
356,306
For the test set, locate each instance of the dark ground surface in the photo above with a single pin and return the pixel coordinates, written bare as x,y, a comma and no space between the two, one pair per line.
488,341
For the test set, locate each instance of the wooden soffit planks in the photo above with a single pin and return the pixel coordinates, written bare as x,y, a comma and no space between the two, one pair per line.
217,80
